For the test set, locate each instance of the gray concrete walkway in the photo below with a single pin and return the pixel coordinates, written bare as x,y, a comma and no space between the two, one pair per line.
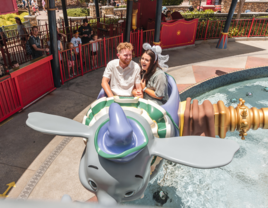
20,145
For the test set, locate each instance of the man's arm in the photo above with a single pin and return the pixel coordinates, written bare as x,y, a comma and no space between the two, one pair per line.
39,49
105,85
32,43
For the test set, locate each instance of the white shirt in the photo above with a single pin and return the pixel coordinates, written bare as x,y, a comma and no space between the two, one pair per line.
76,41
122,81
95,46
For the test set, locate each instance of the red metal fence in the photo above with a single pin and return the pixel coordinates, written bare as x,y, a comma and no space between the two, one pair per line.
88,57
25,86
9,98
14,48
211,29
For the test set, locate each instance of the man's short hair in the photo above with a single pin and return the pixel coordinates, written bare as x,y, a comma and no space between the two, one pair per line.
85,20
34,27
124,45
14,62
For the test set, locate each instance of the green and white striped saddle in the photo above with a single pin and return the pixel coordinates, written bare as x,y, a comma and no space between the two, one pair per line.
156,116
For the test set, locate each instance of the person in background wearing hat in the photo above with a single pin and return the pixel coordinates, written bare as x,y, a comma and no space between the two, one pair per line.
85,32
22,32
76,41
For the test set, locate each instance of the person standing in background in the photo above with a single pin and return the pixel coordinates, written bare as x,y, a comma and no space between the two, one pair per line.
22,32
34,40
85,32
43,4
23,1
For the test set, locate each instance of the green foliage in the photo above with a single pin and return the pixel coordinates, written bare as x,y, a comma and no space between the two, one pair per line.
262,17
198,14
123,6
77,12
172,2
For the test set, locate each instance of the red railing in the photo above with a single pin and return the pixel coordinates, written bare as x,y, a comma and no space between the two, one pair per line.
88,57
212,29
23,87
14,49
9,99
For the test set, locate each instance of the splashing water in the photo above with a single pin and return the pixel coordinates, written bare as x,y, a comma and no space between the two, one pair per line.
242,183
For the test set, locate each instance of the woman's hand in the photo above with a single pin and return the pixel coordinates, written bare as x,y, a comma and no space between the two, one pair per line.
143,84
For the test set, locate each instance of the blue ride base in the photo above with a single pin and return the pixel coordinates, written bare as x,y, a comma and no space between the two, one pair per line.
222,44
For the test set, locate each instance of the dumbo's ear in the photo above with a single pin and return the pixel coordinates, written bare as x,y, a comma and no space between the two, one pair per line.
50,124
105,198
195,151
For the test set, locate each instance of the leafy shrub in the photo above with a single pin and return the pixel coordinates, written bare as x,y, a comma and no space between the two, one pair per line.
77,12
9,19
172,2
123,6
198,14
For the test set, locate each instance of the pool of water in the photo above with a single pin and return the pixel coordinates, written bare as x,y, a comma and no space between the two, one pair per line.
242,183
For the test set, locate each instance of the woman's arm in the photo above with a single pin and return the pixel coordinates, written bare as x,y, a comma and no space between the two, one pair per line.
160,84
152,94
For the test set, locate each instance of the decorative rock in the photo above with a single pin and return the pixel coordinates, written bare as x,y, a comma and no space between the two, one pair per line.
233,100
161,197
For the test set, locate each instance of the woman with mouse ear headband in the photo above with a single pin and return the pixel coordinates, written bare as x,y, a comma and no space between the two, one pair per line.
154,81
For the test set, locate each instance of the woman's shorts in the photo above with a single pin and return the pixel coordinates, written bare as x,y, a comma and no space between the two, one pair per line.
23,38
93,53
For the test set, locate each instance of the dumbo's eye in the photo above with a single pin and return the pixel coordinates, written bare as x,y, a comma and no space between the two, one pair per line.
93,185
129,194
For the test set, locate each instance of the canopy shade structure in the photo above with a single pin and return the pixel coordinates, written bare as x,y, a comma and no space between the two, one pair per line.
10,7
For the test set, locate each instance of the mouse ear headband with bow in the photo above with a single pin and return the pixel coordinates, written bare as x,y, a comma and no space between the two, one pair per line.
157,51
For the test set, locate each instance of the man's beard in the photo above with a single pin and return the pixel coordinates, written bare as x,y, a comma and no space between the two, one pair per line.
125,62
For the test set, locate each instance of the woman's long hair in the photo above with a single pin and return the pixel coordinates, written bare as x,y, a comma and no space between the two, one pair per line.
152,67
19,20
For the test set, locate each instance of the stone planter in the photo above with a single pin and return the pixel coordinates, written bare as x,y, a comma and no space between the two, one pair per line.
75,19
119,11
178,8
31,19
107,10
92,10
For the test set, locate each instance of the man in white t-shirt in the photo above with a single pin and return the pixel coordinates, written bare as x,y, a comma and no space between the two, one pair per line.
76,40
122,74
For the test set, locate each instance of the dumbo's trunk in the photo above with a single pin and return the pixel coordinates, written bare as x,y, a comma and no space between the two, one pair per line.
105,198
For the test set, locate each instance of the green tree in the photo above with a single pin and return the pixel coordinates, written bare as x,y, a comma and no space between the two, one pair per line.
172,2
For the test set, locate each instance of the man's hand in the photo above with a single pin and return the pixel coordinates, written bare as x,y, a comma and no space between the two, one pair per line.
46,49
139,93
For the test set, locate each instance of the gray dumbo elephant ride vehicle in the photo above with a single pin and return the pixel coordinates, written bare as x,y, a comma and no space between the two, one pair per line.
124,136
